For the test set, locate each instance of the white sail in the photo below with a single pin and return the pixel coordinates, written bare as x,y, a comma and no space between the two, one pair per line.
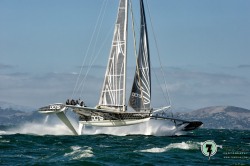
140,97
113,91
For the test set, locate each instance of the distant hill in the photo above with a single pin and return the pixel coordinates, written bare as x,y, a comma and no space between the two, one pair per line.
9,116
12,115
8,105
220,117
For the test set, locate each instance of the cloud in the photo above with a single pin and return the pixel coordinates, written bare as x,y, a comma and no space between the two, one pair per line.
187,88
5,66
194,89
38,90
244,66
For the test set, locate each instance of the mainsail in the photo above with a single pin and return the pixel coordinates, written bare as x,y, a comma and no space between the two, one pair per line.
140,96
113,91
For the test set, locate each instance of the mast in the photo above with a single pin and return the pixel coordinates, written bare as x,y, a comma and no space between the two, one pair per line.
125,52
113,94
140,97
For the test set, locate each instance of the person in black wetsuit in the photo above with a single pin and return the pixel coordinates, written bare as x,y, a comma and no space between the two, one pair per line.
67,102
72,102
76,102
82,104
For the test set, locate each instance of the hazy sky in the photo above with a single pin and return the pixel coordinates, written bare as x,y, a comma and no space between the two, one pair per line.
204,47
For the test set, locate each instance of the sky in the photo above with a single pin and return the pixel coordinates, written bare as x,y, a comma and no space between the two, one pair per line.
204,48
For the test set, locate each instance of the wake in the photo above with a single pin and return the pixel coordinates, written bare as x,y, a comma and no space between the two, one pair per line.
50,125
53,126
152,127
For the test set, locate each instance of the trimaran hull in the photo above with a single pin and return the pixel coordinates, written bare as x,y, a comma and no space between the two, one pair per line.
114,123
107,118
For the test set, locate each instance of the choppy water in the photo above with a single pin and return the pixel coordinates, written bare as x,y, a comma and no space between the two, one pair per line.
100,149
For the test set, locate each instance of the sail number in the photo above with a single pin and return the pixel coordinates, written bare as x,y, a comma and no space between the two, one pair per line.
54,107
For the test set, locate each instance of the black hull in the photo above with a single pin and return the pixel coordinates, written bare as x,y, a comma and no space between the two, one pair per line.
192,125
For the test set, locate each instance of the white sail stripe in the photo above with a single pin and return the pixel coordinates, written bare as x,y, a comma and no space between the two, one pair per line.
145,71
107,86
120,42
145,74
120,84
144,68
146,86
142,89
146,60
137,84
146,78
120,47
116,54
111,81
146,98
145,51
117,51
118,75
142,83
146,93
120,91
114,73
113,90
109,92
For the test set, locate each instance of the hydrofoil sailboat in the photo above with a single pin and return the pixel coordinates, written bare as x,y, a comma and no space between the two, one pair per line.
112,109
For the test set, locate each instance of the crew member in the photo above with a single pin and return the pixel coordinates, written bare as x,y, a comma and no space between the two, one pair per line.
67,102
72,102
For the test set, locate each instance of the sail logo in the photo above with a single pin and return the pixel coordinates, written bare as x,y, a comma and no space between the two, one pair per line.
97,118
54,107
209,148
135,95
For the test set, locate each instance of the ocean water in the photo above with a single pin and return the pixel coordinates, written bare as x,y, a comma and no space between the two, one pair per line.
38,144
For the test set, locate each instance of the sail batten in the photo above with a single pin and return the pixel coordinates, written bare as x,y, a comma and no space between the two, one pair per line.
140,97
114,85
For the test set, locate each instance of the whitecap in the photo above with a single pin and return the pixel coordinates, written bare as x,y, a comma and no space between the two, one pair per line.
41,129
2,132
183,145
80,152
4,141
104,146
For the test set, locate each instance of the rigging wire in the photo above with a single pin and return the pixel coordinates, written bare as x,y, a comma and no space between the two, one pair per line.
87,51
133,29
93,58
158,54
93,61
